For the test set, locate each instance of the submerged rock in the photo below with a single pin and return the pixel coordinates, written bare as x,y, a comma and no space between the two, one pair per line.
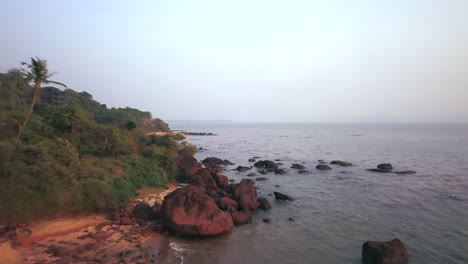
282,196
389,252
190,212
298,166
323,167
385,166
252,160
251,174
303,171
261,179
341,163
267,220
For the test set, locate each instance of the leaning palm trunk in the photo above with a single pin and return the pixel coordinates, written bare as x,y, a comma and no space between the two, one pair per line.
37,86
37,73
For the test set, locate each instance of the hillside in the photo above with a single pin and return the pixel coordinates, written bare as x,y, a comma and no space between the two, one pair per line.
76,154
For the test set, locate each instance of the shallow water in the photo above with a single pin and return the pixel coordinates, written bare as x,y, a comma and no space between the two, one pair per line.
336,211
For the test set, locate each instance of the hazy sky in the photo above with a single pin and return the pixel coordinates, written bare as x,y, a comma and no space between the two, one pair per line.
254,60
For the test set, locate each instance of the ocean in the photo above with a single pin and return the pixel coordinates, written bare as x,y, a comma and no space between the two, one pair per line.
336,211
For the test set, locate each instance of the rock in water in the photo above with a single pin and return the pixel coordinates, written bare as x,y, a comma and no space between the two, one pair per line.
341,163
242,168
246,195
298,166
323,167
190,212
282,196
267,164
385,166
389,252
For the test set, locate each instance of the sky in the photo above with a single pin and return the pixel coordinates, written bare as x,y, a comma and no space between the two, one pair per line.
252,61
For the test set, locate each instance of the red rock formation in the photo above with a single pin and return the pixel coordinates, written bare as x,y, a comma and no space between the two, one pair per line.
190,212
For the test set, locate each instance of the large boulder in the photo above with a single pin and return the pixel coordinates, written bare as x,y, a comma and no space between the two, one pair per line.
190,212
385,166
246,195
389,252
188,166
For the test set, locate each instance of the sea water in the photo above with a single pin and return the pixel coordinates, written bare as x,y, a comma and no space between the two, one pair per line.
336,211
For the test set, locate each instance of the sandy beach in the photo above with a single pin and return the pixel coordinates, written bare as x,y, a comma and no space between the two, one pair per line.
90,238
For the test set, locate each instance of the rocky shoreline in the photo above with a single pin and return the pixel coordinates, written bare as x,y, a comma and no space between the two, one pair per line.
207,203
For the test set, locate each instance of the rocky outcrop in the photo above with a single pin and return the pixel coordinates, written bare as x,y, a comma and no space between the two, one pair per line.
323,167
298,166
389,252
385,166
341,163
190,212
282,196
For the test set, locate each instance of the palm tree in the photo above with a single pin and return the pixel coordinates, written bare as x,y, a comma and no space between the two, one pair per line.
38,74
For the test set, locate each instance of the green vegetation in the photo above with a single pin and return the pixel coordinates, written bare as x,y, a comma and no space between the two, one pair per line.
72,153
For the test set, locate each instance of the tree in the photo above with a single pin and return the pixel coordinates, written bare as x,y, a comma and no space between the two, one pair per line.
38,74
